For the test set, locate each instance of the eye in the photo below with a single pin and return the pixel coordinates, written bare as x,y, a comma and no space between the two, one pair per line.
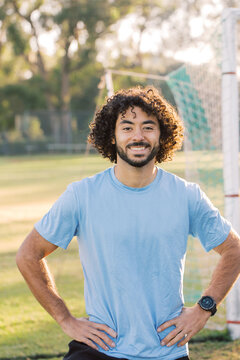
148,128
127,128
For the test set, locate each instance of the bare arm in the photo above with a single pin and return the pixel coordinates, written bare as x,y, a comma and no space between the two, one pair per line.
33,266
193,319
227,269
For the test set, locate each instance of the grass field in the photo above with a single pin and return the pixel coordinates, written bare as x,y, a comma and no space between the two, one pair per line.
28,187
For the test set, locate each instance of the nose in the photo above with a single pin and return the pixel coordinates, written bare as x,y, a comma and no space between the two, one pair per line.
138,134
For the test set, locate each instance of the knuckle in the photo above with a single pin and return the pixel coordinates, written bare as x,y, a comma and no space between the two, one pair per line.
167,338
94,337
97,340
99,334
95,325
94,331
105,327
90,343
83,319
105,338
101,326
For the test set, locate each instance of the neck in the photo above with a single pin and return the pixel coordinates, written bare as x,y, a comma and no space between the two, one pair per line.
135,177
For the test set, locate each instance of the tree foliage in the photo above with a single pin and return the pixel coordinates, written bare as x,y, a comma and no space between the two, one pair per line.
75,24
67,77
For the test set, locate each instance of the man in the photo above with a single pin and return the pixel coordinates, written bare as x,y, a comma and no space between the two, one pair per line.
132,222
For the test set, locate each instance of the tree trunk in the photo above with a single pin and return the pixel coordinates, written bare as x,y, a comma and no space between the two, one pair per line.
66,128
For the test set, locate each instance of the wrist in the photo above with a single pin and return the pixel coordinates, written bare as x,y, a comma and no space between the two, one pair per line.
201,314
208,304
64,319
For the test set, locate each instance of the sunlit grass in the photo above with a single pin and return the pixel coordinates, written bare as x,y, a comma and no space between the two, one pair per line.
28,187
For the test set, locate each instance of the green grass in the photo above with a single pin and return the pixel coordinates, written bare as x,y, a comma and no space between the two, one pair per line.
28,187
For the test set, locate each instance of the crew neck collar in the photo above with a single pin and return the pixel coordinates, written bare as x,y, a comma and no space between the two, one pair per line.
120,185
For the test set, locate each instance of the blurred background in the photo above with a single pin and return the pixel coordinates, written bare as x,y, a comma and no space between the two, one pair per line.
54,54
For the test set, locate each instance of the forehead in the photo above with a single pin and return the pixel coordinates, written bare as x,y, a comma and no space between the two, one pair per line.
136,114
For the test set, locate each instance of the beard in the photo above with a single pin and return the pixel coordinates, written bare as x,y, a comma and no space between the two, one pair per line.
138,162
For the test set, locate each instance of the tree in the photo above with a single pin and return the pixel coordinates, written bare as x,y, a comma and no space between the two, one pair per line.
160,29
75,24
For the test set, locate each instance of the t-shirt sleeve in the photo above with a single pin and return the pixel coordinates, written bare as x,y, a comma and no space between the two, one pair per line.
60,224
205,221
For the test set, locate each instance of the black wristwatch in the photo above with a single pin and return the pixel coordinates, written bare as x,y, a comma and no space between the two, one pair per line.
207,303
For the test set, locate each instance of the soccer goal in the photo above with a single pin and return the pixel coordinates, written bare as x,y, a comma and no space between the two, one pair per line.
206,96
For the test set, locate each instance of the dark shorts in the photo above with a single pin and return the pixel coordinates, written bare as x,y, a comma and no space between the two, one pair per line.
81,351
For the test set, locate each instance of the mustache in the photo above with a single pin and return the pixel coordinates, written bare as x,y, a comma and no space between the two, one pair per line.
140,143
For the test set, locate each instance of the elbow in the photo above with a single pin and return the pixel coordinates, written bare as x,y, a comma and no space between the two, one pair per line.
20,259
238,258
236,252
30,253
24,259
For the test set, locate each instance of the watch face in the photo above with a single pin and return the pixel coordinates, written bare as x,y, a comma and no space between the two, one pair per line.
207,302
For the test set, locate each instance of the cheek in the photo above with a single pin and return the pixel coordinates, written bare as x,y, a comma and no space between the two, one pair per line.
154,138
122,138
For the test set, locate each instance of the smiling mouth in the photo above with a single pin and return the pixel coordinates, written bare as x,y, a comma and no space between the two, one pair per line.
139,151
138,146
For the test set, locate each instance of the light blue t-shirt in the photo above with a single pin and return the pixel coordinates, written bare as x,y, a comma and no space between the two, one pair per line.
132,245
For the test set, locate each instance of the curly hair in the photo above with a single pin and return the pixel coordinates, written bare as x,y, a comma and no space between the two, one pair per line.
152,103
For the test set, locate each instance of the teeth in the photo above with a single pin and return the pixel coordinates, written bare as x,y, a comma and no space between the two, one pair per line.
137,148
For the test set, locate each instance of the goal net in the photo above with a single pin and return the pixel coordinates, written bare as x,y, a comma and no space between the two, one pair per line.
195,90
197,93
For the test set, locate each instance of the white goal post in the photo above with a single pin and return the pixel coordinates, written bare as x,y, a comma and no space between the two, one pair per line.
230,134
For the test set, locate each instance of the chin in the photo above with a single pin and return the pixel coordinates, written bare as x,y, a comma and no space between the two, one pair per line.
139,163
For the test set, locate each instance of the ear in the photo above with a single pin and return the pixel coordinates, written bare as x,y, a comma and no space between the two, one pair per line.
113,141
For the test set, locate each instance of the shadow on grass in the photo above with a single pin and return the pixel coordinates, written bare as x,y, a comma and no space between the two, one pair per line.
48,342
37,357
211,335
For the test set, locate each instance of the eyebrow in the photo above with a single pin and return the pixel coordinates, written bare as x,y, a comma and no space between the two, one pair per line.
132,123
